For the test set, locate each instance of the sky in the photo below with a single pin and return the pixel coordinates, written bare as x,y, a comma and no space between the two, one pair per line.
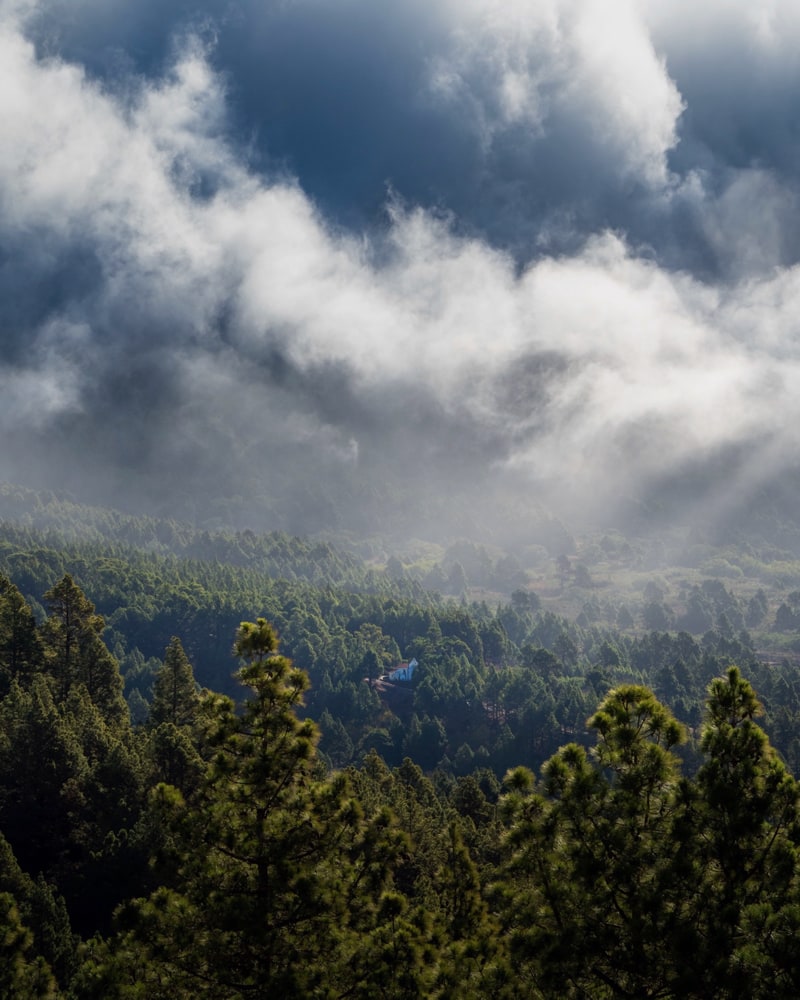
291,251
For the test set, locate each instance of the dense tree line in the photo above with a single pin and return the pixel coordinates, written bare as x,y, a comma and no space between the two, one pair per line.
209,852
466,834
496,686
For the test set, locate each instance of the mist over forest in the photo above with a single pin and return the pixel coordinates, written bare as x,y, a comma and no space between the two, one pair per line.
399,540
312,266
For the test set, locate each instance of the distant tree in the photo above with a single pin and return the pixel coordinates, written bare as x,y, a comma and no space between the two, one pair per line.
756,609
785,619
524,600
457,582
138,708
609,655
175,697
395,569
335,742
370,666
582,576
495,642
654,592
543,661
625,619
435,579
509,575
76,654
699,616
566,648
656,617
425,741
20,647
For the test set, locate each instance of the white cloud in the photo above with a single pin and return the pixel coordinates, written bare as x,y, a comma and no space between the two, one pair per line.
584,60
636,346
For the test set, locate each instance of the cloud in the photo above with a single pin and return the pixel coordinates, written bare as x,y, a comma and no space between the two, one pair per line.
579,61
534,125
198,297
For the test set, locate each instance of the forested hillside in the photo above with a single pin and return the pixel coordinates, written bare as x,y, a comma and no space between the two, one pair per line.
212,851
499,683
551,806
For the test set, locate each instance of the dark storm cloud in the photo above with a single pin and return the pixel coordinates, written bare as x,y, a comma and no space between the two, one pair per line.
248,245
533,124
495,115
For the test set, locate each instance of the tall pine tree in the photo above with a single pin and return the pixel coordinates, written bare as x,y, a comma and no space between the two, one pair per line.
279,874
592,888
175,696
20,647
76,654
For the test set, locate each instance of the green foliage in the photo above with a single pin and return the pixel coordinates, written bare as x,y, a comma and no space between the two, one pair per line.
21,974
611,875
76,654
591,883
175,697
279,873
70,790
42,911
20,645
748,806
625,880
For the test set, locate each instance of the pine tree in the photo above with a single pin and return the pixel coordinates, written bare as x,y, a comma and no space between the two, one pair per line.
747,814
470,956
22,973
175,758
279,875
71,790
175,696
104,864
592,889
76,654
20,647
42,772
43,911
